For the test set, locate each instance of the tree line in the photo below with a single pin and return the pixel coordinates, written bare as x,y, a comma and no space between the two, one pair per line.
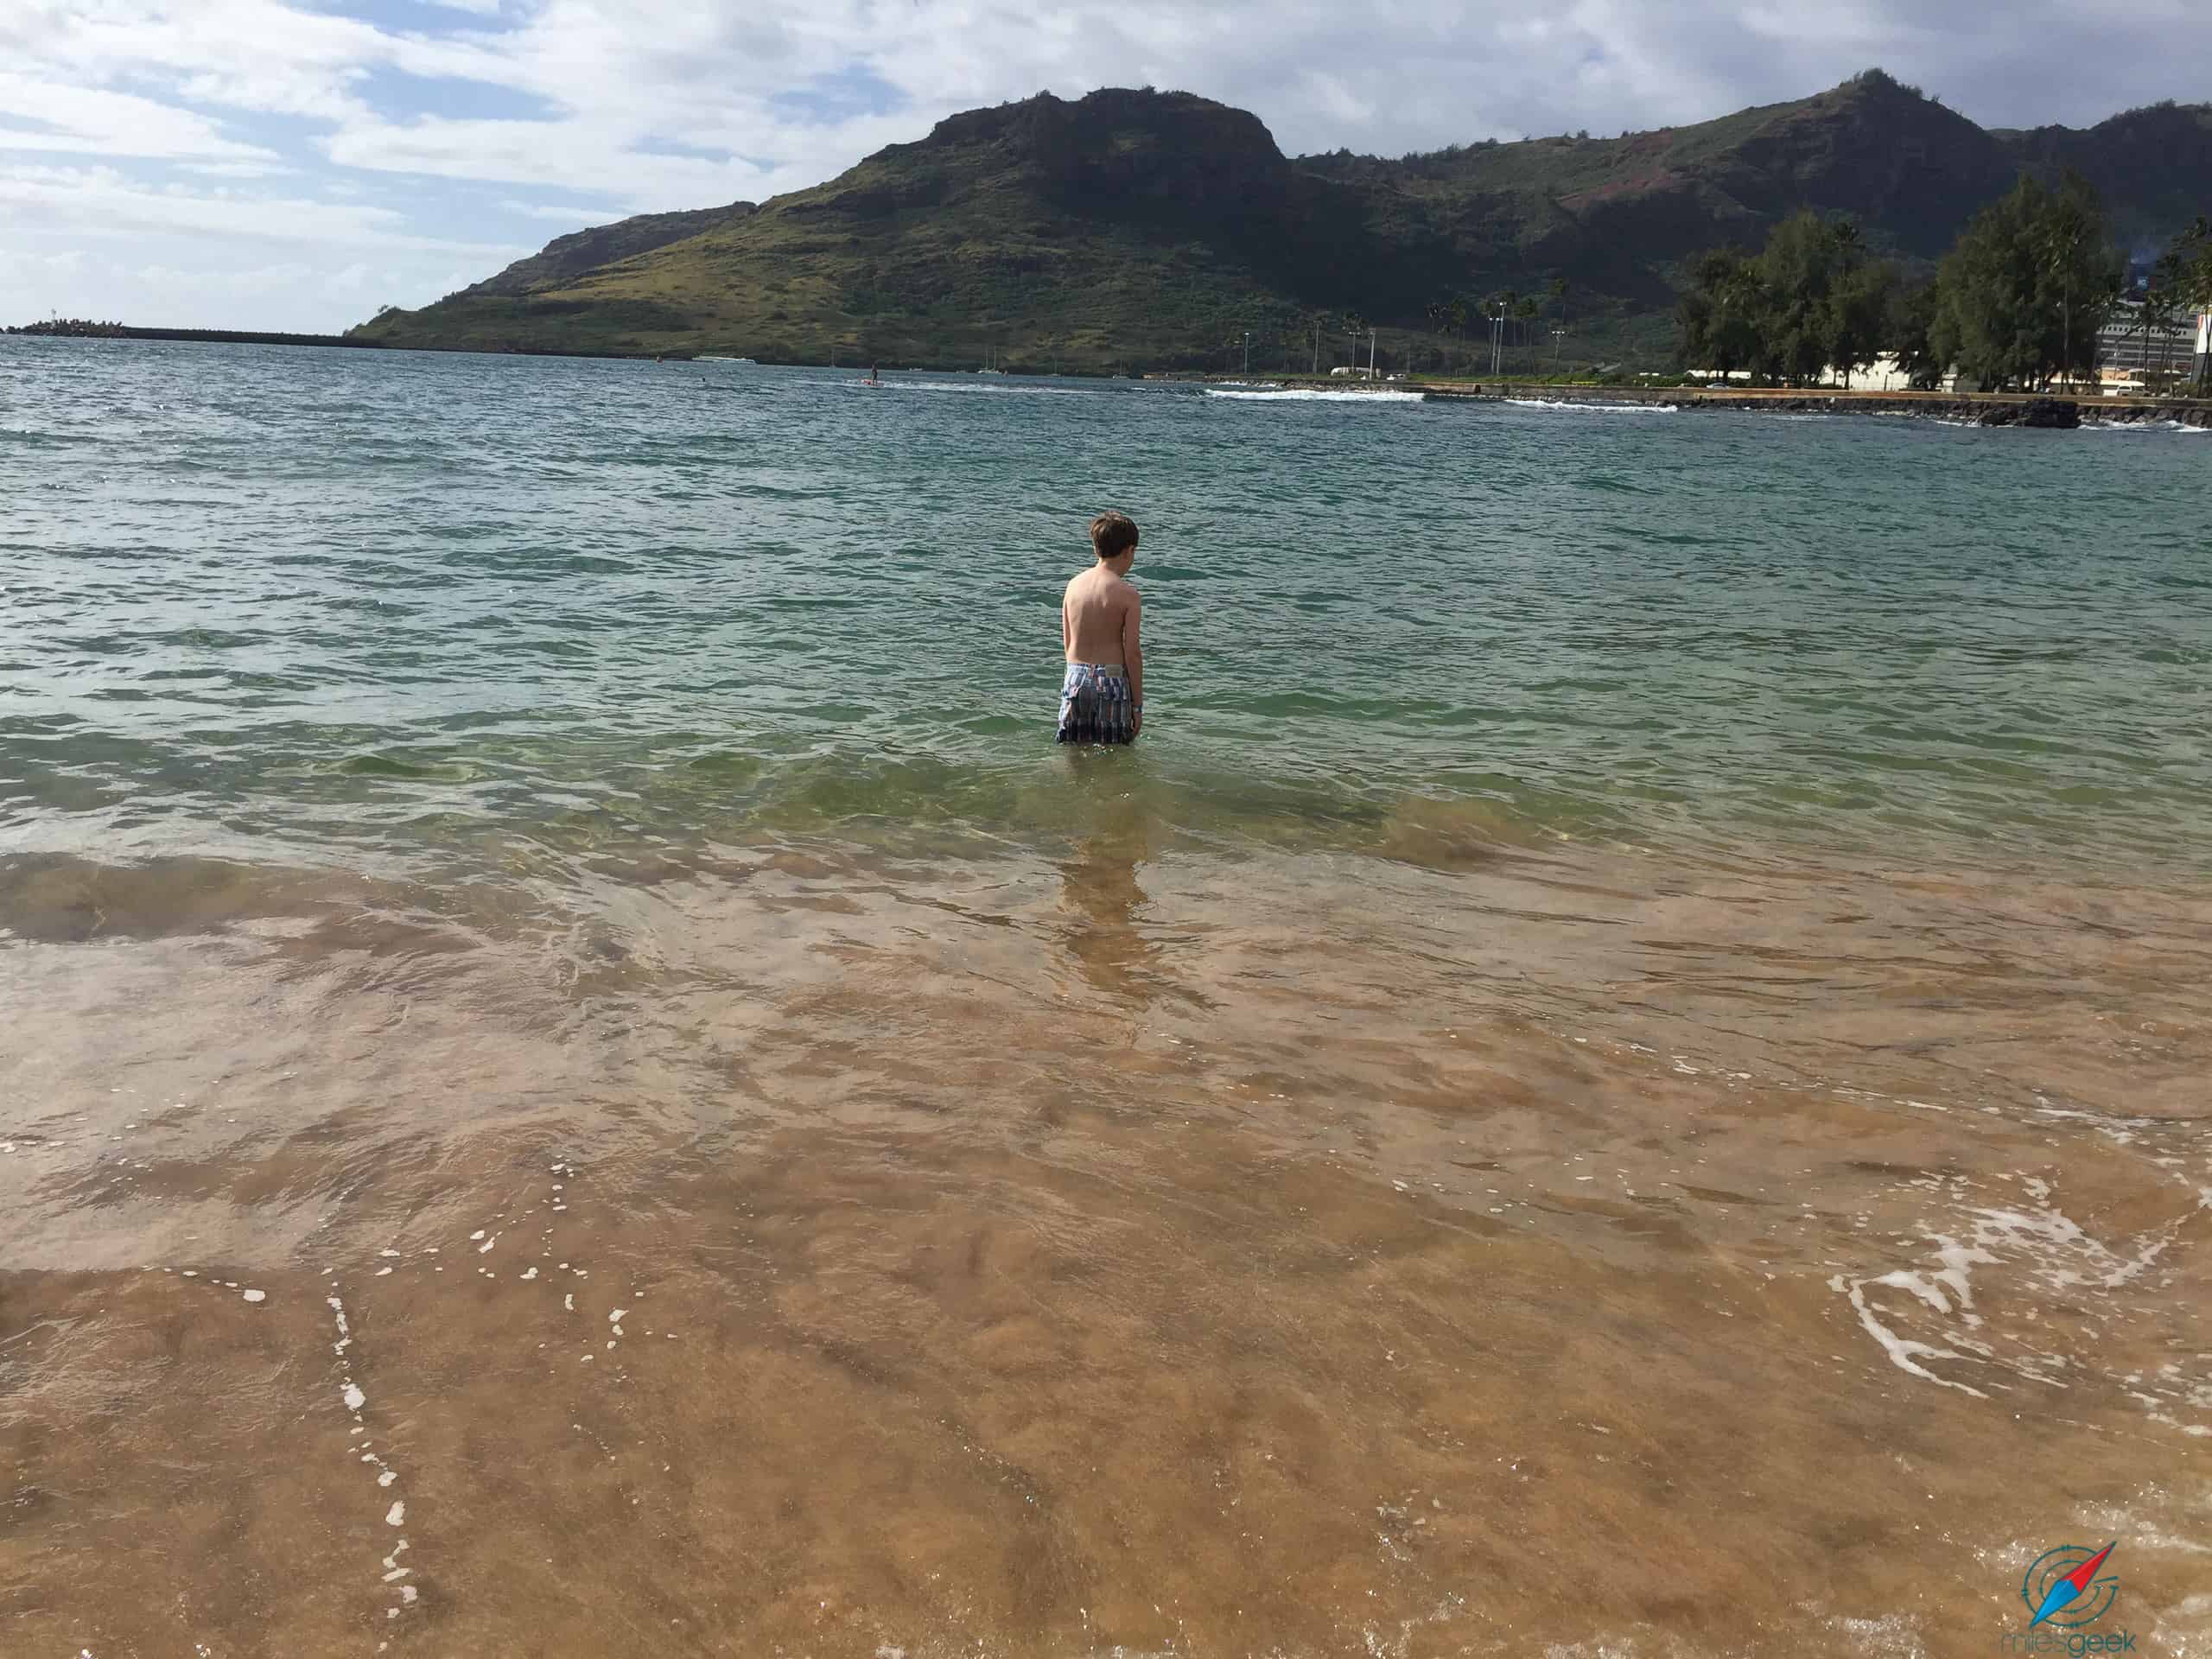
1520,318
2015,305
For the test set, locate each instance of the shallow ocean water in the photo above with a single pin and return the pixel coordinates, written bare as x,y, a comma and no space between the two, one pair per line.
378,602
1622,1071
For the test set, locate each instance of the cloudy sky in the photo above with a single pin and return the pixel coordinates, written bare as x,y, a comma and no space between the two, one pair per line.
293,163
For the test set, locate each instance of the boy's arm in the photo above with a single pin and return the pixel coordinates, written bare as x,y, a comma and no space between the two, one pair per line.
1067,633
1132,654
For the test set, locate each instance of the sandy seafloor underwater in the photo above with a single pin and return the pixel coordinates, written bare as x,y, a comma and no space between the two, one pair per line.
1622,1072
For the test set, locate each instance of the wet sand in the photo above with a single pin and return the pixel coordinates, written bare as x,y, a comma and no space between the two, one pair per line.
808,1250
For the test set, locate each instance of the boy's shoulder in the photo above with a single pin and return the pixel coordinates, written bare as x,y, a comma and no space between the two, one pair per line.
1098,578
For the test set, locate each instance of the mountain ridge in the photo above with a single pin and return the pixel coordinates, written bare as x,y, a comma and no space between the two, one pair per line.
1136,227
567,256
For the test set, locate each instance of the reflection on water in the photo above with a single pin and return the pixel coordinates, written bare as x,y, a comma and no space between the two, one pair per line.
1132,1249
1100,888
1102,897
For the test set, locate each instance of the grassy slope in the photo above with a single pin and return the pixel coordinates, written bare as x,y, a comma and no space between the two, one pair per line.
1145,230
924,252
569,256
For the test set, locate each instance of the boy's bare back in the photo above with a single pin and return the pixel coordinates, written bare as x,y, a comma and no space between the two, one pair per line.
1102,695
1098,617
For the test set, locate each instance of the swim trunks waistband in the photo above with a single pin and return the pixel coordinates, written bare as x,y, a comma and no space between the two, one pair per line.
1114,669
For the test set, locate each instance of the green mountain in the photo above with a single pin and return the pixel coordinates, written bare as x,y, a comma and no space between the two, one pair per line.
1147,230
566,257
2152,166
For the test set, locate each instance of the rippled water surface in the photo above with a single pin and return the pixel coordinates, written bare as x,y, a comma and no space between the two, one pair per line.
389,602
1622,1072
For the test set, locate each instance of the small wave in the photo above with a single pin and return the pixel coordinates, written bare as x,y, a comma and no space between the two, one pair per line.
2142,426
1316,395
1592,408
982,389
24,435
375,765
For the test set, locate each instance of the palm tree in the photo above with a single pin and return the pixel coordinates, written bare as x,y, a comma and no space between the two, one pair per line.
2062,249
2148,314
2191,258
1525,313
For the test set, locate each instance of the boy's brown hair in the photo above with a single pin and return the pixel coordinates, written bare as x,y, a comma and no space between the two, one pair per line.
1113,534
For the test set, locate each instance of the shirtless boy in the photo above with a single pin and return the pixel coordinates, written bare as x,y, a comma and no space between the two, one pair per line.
1102,699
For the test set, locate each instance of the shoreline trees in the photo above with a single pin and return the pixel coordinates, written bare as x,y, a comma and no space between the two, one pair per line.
2016,304
2181,280
1811,300
2022,292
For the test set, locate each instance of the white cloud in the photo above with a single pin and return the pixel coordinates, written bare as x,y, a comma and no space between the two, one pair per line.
558,213
250,55
557,155
389,131
40,113
191,282
106,204
235,169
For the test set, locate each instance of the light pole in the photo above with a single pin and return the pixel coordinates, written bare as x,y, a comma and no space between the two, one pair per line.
1247,352
1558,335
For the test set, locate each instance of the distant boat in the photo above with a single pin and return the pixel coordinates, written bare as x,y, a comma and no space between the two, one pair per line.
989,366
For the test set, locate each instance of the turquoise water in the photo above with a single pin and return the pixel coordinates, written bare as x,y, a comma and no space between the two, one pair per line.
322,606
494,848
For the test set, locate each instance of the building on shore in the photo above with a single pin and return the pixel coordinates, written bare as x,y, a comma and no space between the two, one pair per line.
1883,374
2132,356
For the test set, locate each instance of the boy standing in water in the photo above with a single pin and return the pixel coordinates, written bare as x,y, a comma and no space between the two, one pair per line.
1102,699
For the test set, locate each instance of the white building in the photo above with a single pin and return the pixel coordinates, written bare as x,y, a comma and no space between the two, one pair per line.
1882,375
2131,357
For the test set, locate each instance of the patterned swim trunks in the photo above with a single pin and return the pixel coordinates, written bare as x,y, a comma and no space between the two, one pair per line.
1096,706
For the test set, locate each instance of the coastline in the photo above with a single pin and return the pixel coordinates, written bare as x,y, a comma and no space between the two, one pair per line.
2040,410
200,336
1977,408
